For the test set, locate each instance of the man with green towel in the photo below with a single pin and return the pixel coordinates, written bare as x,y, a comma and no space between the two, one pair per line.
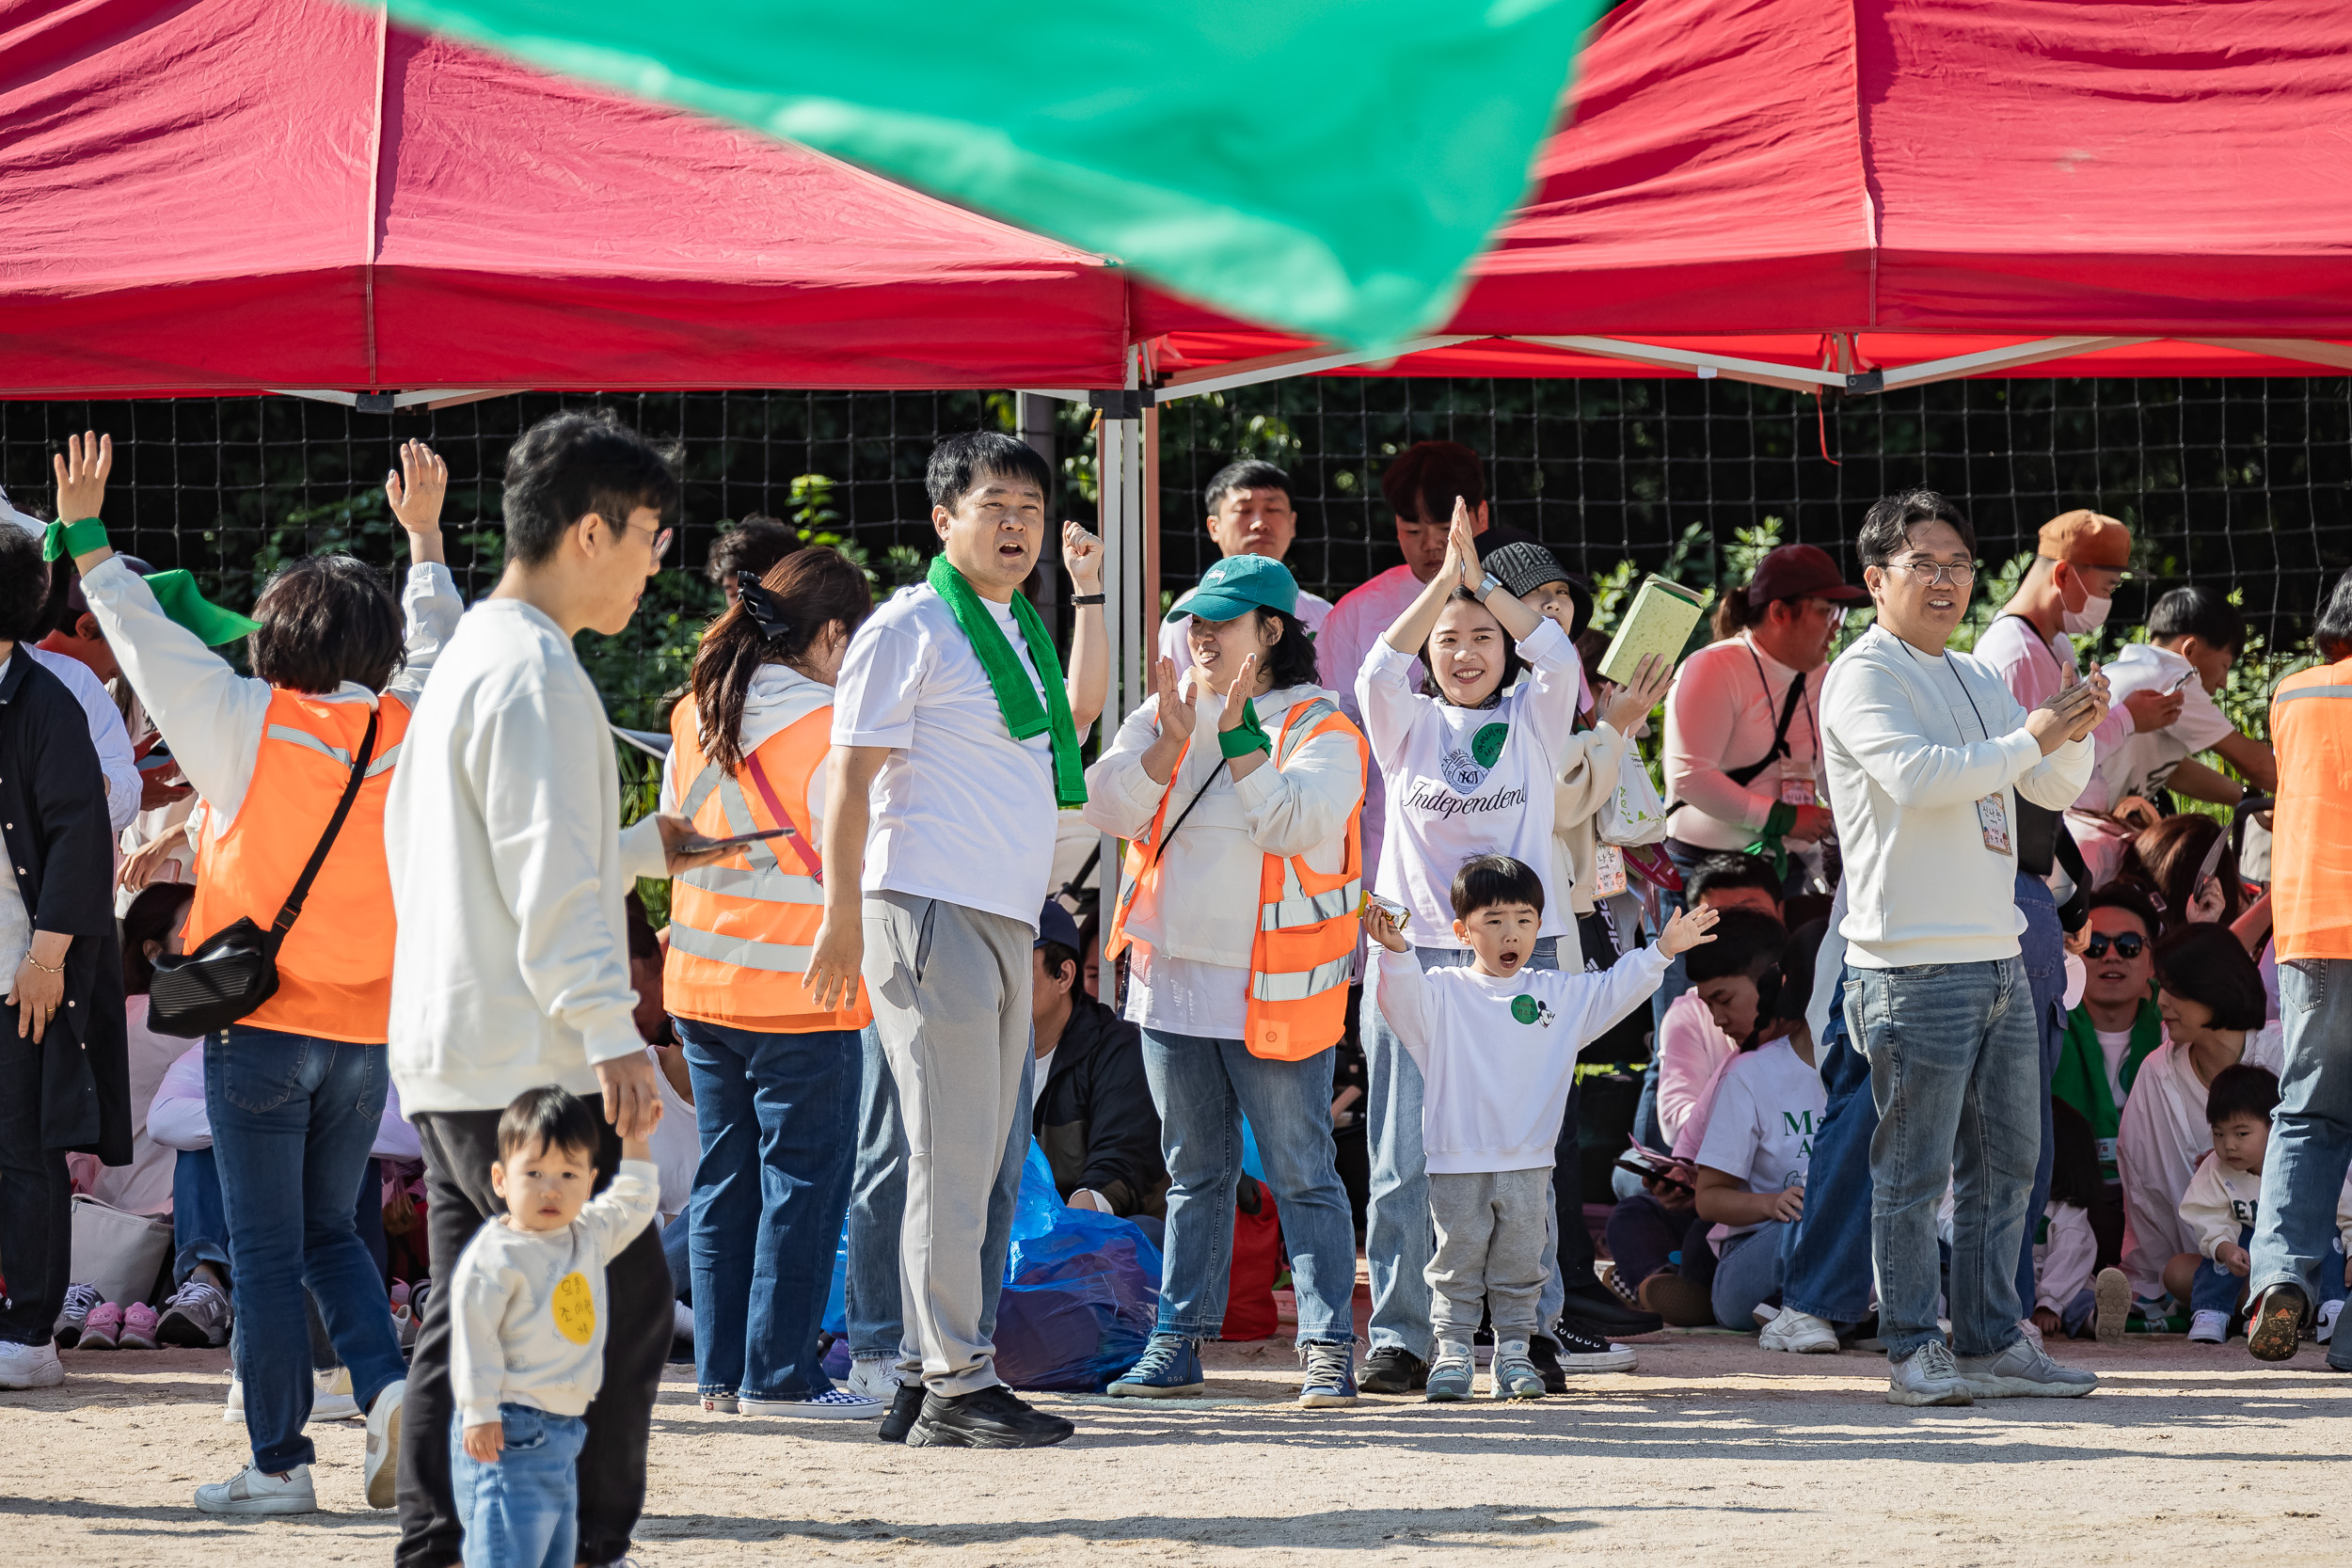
2108,1036
955,739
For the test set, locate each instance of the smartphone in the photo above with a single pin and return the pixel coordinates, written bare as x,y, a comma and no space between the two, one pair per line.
2181,684
158,757
698,845
1651,1173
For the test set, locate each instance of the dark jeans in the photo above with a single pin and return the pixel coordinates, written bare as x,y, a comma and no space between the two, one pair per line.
460,1147
1829,1268
293,1121
36,1200
778,1119
678,1250
199,1234
1645,1235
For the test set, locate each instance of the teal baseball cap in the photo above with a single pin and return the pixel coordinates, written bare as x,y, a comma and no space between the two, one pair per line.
1241,582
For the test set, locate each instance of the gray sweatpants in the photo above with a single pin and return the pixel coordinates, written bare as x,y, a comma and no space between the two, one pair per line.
950,988
1490,1250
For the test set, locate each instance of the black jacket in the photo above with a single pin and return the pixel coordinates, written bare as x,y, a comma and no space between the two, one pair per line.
52,819
1095,1118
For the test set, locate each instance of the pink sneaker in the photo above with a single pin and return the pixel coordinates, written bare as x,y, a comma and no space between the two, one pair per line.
139,1327
103,1327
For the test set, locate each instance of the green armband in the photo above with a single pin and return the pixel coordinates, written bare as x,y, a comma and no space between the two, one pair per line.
1244,738
1782,817
64,539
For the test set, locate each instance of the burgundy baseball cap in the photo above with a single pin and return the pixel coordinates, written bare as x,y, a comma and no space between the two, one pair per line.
1801,572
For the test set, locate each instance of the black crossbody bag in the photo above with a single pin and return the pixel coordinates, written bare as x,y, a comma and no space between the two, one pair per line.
235,969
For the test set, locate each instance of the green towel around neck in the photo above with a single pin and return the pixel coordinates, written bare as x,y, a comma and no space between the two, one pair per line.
2081,1078
1016,695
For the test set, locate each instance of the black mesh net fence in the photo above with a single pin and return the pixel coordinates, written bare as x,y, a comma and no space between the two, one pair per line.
2245,483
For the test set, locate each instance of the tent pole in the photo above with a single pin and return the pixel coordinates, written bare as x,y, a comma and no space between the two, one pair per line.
1121,471
1033,413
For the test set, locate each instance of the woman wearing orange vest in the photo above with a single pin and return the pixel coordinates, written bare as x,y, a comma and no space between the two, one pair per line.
2311,902
775,1077
295,1088
1241,786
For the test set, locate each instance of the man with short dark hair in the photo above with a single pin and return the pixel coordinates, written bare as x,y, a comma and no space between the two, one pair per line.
756,545
1251,512
2194,636
1092,1106
1927,752
955,737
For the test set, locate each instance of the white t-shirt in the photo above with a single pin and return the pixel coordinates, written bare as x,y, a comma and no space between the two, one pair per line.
676,1144
1762,1127
1466,780
962,811
1037,1079
2142,763
1311,611
2112,1047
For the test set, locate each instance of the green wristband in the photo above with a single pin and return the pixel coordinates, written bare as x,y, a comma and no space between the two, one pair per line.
1244,738
78,538
1782,817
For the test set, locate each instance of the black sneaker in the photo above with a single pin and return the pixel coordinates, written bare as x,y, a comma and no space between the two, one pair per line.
906,1405
2276,1323
1393,1370
991,1418
1546,1356
1600,1307
1584,1348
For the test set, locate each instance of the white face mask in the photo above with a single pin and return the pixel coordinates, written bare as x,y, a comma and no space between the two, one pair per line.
2092,615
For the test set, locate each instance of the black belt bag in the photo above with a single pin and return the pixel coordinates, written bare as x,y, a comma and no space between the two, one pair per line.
235,969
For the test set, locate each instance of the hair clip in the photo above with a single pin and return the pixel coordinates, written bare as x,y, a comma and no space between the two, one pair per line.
762,605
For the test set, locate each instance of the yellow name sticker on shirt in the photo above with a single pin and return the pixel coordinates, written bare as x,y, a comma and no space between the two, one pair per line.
574,1308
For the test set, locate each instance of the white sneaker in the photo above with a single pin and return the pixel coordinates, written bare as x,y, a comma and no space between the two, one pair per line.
2208,1328
2112,1293
1928,1375
253,1491
2023,1371
2325,1329
874,1377
234,1411
331,1399
381,1475
1801,1332
30,1366
833,1404
2030,1331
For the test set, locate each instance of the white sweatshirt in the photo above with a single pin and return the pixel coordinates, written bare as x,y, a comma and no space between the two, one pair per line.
2220,1200
2063,1256
1919,751
508,863
1496,1055
527,1308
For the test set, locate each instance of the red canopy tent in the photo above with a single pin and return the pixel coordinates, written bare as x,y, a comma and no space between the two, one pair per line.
1791,190
235,196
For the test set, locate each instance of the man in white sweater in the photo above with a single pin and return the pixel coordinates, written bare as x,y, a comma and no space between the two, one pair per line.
510,968
1927,752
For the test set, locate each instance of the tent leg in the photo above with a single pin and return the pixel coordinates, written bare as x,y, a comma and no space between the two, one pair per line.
1126,611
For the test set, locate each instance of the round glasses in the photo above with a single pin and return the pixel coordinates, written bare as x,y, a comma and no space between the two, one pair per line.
1958,576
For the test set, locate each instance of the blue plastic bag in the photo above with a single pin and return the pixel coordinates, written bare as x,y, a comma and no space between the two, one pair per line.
1082,1291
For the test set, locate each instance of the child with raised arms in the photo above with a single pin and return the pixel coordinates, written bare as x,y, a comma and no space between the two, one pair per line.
1497,1043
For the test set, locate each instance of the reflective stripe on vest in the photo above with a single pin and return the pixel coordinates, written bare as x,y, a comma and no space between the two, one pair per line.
774,957
2312,692
1299,987
287,732
1300,908
766,881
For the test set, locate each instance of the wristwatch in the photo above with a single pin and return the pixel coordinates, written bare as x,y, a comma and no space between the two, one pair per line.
1489,584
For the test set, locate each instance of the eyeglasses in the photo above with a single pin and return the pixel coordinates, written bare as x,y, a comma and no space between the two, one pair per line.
1958,576
2127,944
660,539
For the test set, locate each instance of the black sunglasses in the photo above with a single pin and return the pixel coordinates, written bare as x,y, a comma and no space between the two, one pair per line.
2128,944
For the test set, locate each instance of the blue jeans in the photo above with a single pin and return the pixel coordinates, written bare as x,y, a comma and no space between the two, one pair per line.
199,1226
1829,1263
293,1121
678,1250
1203,1088
2311,1137
1752,1267
522,1510
878,1197
1399,1238
778,1116
2217,1290
1952,1052
2042,948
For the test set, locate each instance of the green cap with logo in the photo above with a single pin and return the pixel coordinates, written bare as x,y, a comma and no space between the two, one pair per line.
1241,582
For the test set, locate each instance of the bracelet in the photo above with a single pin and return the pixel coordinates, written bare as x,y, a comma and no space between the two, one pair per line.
1083,599
45,969
77,538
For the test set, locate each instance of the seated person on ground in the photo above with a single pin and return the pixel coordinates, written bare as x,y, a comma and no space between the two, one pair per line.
2109,1038
2065,1249
1092,1106
1691,1042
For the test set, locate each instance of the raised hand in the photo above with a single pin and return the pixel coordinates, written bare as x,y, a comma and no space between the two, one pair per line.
1689,928
1381,926
1462,548
1082,556
1629,711
1176,716
82,470
1238,694
418,487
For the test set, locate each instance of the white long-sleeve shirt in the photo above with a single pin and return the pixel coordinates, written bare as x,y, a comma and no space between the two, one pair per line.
1464,782
2063,1256
1720,712
2162,1136
213,718
1590,762
1920,751
1362,618
508,864
1497,1054
527,1308
1195,930
2220,1200
106,732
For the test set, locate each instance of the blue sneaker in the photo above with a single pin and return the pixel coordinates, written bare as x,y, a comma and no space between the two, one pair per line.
1170,1367
1330,1374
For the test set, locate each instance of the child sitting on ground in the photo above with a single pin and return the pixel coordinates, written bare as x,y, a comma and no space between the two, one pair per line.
527,1309
2065,1247
2219,1206
1497,1045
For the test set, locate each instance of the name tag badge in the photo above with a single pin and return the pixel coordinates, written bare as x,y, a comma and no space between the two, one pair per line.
1992,816
2107,1151
1608,871
1796,782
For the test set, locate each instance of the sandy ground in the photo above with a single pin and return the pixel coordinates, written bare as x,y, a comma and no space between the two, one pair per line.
2185,1453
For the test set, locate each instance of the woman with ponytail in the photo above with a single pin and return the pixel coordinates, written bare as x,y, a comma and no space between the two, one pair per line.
775,1075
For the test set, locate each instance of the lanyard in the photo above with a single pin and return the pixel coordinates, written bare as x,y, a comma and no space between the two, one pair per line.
1946,656
1811,721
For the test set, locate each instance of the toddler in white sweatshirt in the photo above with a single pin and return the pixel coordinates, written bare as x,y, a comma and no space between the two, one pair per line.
1496,1044
527,1322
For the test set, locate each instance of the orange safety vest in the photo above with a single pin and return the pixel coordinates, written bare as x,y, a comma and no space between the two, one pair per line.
1304,947
335,970
2311,888
741,932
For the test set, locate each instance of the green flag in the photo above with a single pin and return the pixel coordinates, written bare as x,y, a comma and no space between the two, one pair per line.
1326,166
